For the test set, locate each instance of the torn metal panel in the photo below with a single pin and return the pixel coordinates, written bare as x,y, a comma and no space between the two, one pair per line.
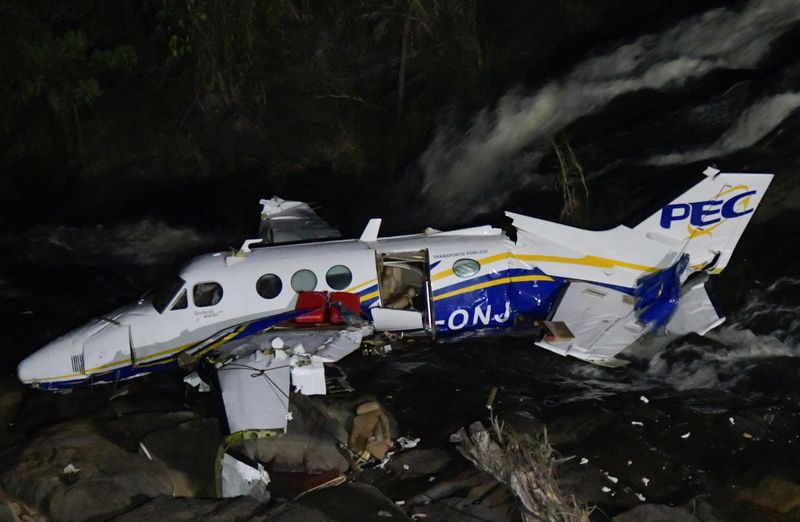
695,312
255,391
239,479
286,221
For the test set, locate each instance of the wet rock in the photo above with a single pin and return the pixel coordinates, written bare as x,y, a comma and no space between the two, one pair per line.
775,493
72,473
656,513
188,450
211,510
571,429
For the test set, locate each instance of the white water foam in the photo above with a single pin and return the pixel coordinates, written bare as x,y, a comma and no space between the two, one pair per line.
146,243
459,169
755,123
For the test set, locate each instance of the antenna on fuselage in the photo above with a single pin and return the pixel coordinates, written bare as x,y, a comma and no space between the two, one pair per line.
370,233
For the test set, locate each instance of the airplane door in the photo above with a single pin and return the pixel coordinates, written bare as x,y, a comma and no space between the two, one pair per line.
404,289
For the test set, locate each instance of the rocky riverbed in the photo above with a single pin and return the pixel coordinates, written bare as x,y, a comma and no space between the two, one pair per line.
630,447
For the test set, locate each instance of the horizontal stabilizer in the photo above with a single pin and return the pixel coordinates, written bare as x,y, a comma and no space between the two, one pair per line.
601,320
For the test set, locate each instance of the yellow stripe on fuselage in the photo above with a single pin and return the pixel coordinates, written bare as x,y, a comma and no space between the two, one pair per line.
600,262
495,282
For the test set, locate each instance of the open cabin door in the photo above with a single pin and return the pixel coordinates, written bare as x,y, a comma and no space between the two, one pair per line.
404,287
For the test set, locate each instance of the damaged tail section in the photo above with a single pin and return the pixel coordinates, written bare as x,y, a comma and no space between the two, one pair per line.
707,221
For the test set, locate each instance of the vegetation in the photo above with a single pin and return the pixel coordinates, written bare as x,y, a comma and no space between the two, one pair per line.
526,464
129,96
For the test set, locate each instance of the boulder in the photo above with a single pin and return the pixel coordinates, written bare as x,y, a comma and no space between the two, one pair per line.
775,493
354,501
71,472
418,462
188,451
655,513
209,510
311,444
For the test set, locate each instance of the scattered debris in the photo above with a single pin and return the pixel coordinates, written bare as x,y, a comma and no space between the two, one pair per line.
612,478
584,460
645,481
238,478
525,465
70,469
686,435
644,399
733,422
407,443
605,489
747,435
637,423
641,497
195,381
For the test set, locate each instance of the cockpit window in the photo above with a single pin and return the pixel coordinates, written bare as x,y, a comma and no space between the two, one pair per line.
166,292
207,294
181,303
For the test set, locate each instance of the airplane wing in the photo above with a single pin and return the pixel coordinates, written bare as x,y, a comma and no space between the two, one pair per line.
255,375
286,221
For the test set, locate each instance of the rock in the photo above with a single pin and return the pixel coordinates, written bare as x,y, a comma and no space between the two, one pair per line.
774,492
354,501
656,513
209,510
188,450
72,473
419,462
311,444
11,393
571,429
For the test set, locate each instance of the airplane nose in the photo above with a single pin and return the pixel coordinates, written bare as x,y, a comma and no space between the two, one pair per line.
52,362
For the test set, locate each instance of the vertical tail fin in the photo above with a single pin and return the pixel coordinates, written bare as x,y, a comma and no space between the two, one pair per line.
707,220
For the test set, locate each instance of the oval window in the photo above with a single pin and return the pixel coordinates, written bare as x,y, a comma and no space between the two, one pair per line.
207,294
466,267
304,281
269,286
339,277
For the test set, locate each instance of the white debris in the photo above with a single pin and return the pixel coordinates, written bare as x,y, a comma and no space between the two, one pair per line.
612,478
385,514
747,435
70,469
277,344
605,489
431,479
385,460
240,479
641,497
406,467
308,375
733,422
289,416
630,462
144,450
584,460
400,502
407,443
194,380
645,481
637,423
644,399
686,435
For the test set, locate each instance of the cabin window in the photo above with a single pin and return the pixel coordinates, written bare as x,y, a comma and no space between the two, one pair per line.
269,286
207,294
166,292
181,303
466,268
304,281
339,277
